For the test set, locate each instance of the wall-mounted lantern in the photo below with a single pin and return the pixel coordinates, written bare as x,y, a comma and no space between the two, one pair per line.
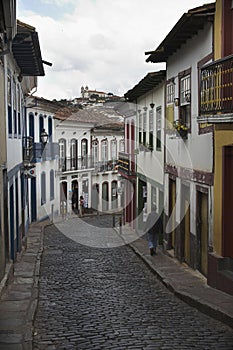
44,137
152,105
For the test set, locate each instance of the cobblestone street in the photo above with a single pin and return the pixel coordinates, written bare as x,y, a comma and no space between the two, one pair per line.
107,298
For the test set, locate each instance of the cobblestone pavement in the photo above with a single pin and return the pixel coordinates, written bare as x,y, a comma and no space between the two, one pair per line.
98,298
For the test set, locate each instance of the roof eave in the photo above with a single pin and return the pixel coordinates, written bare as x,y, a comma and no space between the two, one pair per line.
26,51
149,82
186,27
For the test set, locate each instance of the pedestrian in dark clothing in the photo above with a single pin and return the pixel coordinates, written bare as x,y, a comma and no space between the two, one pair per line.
153,227
81,206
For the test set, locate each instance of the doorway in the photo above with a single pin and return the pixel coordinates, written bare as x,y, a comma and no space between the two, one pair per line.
202,230
75,196
227,202
185,226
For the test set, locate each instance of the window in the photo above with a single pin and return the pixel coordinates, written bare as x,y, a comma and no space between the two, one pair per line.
62,154
185,90
114,149
185,100
151,128
104,150
31,125
14,109
122,145
9,102
144,127
140,127
19,110
41,125
170,93
43,188
50,129
73,153
158,127
84,152
51,184
95,151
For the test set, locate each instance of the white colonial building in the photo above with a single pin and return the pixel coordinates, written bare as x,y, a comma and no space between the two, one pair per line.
188,147
40,136
145,136
89,141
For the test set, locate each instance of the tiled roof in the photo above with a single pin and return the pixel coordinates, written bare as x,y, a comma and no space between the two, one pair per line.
101,117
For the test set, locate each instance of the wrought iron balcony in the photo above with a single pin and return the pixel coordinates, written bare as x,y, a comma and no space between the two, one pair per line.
216,91
75,163
126,164
108,165
27,149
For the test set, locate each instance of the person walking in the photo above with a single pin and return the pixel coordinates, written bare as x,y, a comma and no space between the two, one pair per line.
153,227
81,206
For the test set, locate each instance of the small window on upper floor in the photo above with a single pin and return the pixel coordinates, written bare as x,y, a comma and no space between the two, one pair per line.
9,102
185,90
170,93
185,100
122,145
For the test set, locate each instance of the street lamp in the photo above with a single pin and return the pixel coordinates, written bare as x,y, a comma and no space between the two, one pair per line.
44,137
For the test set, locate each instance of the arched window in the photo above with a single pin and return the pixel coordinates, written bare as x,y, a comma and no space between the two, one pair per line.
122,145
62,154
105,197
84,151
51,184
41,125
114,194
95,151
114,150
9,102
50,129
104,151
43,188
73,153
31,126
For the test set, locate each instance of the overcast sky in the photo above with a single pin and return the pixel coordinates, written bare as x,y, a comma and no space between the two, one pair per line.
99,43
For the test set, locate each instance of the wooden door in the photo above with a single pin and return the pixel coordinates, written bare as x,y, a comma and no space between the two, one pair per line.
187,231
202,230
172,216
227,205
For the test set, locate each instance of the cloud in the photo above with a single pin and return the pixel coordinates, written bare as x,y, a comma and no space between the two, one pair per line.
101,43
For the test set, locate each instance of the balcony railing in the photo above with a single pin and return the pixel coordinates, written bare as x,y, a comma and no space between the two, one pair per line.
126,163
110,165
75,163
27,149
216,93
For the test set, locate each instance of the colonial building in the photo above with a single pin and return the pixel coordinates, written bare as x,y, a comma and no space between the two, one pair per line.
216,114
188,151
7,33
41,151
21,69
145,138
89,141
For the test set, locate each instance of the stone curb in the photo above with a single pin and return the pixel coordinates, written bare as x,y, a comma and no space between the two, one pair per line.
28,337
192,300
